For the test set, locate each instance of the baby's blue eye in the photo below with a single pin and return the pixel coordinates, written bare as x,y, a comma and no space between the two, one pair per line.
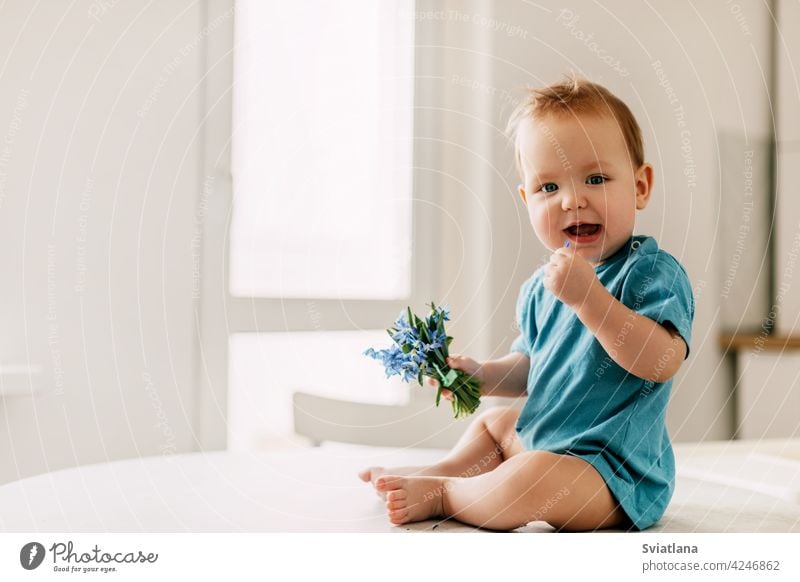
595,180
549,187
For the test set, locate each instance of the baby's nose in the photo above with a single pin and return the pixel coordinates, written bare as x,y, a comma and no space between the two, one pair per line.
572,199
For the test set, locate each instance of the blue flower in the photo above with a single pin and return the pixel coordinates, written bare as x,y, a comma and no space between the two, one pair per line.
420,346
414,346
405,334
443,311
396,363
401,322
417,357
393,359
410,370
437,340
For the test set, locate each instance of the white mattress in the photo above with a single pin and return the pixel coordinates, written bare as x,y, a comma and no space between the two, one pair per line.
317,490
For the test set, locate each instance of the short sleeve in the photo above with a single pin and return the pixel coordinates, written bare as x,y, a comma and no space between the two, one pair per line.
520,345
524,320
658,287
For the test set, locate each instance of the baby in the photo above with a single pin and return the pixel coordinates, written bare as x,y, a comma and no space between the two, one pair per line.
605,325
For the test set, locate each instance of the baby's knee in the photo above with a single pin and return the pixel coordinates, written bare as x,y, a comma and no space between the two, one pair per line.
501,423
500,414
539,470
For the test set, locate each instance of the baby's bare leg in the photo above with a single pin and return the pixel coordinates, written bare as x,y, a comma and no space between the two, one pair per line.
487,442
565,491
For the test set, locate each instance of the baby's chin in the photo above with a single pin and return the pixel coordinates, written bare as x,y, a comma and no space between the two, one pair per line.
600,255
595,253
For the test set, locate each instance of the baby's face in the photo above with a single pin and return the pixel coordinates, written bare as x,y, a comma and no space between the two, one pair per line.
580,184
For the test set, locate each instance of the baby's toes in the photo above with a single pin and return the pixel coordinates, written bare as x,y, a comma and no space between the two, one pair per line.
369,473
386,483
396,495
399,516
397,499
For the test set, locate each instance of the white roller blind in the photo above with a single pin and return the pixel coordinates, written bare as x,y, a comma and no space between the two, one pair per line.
322,149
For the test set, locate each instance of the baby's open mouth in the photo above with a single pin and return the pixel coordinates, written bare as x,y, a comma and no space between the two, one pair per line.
578,230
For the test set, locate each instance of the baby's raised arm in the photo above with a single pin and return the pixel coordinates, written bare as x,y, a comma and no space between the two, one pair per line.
637,343
650,350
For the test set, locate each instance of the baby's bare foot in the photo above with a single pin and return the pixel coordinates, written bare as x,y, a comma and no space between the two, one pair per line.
369,474
411,499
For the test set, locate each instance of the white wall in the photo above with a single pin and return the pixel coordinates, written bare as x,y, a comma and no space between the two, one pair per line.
713,60
99,109
787,247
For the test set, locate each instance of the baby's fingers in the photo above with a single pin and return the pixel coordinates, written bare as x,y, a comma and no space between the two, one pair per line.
463,363
432,382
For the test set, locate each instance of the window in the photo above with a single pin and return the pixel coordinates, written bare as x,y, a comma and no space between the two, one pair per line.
320,248
265,369
322,149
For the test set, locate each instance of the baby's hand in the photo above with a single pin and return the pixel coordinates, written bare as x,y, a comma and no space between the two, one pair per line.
569,277
463,363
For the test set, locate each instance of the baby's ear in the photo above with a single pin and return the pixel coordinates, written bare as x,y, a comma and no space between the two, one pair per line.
521,189
643,179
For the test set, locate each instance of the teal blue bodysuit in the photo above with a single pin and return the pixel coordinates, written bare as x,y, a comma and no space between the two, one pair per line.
582,403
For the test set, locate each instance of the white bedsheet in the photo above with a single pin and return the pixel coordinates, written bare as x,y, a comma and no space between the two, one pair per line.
313,490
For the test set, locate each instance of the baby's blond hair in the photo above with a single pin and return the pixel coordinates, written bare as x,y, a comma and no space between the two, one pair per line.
574,97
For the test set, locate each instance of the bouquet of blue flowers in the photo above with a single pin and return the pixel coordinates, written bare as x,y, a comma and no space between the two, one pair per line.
421,349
